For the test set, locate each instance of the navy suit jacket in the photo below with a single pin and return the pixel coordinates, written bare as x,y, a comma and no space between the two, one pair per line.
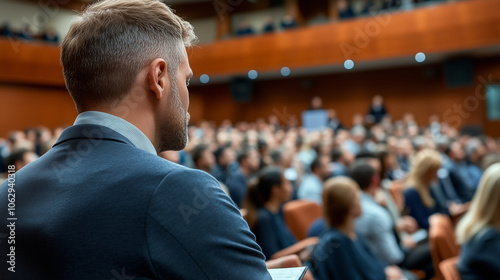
97,207
480,256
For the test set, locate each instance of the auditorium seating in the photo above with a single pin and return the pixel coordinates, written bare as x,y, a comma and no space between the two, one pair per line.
449,269
299,215
442,241
302,248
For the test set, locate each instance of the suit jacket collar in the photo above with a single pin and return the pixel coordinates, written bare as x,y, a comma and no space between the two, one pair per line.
91,132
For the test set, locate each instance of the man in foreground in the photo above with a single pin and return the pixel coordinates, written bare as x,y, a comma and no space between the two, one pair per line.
101,204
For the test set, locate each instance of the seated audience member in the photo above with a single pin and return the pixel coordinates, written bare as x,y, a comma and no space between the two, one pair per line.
320,18
377,109
203,158
268,25
369,7
244,29
265,197
341,253
341,160
475,151
389,166
421,201
458,171
248,160
390,4
283,157
225,159
263,149
479,230
288,22
20,158
379,229
50,36
4,152
312,184
26,33
358,120
5,30
375,223
333,121
355,143
404,151
345,9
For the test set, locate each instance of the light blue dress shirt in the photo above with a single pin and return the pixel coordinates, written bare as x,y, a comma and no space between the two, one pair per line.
376,226
130,131
311,189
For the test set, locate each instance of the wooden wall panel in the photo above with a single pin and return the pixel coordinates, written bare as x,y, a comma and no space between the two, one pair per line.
488,71
419,90
448,27
30,63
23,106
444,28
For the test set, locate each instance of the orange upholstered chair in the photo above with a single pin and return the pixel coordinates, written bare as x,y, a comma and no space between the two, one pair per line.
288,261
299,215
442,241
449,269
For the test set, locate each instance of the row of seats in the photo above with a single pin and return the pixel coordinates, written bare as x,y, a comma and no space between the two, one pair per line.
300,214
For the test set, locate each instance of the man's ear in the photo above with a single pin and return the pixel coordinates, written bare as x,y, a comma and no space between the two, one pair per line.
158,78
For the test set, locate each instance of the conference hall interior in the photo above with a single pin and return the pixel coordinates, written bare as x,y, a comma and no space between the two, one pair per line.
319,139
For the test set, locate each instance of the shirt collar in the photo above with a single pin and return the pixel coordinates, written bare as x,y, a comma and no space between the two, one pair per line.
131,132
367,198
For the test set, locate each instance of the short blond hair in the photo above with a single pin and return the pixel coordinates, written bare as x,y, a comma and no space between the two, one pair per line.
112,40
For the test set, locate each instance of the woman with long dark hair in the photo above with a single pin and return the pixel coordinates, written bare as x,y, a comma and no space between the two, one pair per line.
265,196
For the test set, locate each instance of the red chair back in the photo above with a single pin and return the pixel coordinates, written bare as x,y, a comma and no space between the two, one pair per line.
299,215
449,269
442,241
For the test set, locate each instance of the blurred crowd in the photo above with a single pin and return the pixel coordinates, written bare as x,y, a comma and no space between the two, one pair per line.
262,165
26,33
